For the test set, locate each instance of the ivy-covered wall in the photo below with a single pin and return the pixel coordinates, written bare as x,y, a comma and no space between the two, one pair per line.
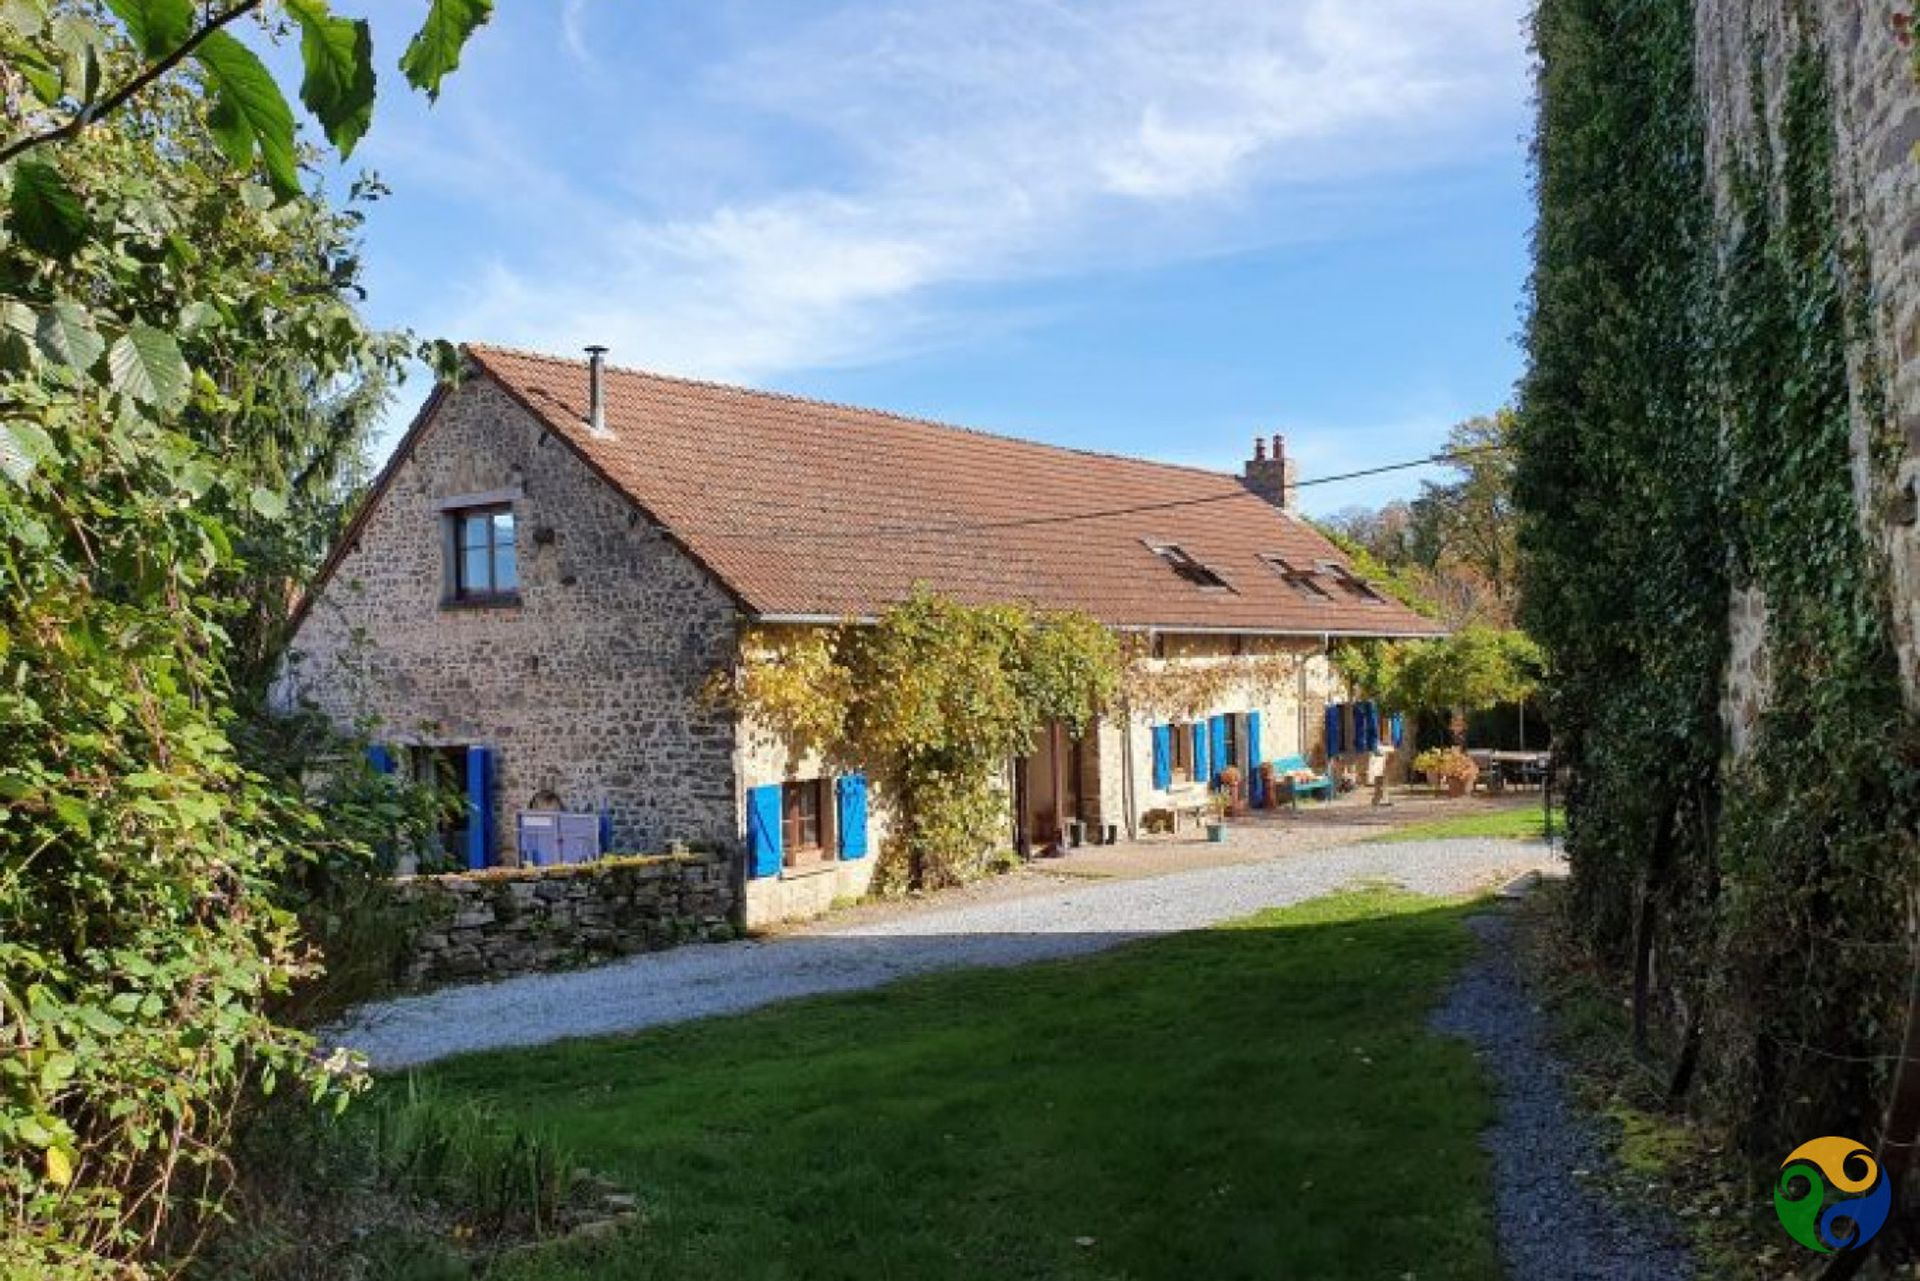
1720,423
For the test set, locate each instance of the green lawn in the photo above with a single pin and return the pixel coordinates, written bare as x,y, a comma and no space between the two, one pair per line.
1522,823
1262,1100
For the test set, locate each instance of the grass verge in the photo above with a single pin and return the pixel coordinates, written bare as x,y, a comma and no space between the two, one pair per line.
1523,823
1258,1100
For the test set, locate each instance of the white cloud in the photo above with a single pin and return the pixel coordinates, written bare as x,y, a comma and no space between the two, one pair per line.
973,141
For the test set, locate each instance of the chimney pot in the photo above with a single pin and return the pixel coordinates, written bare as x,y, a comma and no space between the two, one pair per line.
1259,449
596,394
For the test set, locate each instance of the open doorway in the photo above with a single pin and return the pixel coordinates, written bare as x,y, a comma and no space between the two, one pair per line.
1047,790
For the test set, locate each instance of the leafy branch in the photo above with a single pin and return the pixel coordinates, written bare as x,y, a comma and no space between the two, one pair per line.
92,112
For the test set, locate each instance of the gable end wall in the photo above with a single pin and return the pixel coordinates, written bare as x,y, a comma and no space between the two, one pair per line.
589,687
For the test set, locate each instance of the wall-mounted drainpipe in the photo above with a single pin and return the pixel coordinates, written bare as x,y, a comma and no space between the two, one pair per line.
596,394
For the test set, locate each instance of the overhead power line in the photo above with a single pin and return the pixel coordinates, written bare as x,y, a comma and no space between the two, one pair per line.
1069,518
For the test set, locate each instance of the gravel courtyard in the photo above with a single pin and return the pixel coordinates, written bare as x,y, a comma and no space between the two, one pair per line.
696,982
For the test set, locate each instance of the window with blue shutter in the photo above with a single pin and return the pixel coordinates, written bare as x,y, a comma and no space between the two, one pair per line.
479,806
380,759
1256,786
1163,756
763,830
1202,771
1219,753
853,816
1334,745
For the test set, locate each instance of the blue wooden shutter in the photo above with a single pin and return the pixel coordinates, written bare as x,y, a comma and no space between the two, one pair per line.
852,791
1217,731
479,806
1334,747
1397,728
380,759
1256,786
1200,771
1163,756
763,831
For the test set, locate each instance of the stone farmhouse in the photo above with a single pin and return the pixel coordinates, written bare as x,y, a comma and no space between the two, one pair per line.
560,555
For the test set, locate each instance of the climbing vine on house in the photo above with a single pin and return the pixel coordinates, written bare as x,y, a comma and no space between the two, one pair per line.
1685,441
930,702
1171,689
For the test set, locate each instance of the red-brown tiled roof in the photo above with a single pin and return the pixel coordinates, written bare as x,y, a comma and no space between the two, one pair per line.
810,509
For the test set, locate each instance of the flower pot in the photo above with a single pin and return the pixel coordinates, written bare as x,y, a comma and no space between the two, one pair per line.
1459,785
1216,833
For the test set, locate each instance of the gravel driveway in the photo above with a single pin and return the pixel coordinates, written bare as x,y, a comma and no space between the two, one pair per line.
695,982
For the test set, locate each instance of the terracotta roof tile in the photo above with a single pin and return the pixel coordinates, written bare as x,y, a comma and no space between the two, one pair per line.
807,508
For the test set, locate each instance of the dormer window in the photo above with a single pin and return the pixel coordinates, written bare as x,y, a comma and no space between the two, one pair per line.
1302,578
1183,564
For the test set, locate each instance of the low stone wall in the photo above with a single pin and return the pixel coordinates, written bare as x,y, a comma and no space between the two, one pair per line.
506,921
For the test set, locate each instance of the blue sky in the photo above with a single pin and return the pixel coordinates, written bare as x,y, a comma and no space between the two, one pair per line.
1147,226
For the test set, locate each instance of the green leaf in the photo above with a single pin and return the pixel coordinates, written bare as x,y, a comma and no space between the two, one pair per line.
41,75
59,1167
145,363
158,27
23,447
16,318
267,503
338,56
249,111
78,40
435,51
44,212
197,315
67,336
28,17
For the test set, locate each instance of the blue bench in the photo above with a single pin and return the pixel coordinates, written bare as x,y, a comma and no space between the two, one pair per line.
1321,784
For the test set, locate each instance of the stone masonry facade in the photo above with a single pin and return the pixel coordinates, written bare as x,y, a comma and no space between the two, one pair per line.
1876,107
495,924
589,687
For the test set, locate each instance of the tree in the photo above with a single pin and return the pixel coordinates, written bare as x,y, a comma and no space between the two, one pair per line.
1475,667
1467,529
175,341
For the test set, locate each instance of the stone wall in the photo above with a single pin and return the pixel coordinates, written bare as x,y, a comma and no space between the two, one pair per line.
494,924
589,686
1877,126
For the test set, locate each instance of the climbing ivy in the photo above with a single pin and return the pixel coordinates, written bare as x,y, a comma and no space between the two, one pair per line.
1686,432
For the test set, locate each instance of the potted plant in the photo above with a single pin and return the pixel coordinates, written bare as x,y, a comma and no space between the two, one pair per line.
1268,789
1219,802
1229,786
1448,768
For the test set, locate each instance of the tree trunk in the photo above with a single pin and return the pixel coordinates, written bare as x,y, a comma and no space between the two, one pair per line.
1457,726
1652,886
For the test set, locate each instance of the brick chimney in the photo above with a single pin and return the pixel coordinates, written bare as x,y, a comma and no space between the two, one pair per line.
1275,479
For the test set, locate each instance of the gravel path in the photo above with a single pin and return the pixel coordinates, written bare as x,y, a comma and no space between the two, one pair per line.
695,982
1551,1225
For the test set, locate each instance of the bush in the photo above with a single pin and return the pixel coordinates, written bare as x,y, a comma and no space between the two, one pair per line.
384,1189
